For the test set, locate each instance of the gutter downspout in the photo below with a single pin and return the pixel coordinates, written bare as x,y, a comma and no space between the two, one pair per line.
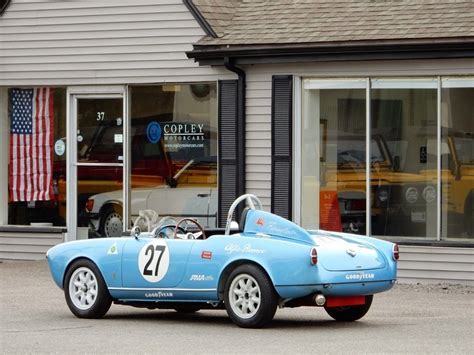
240,127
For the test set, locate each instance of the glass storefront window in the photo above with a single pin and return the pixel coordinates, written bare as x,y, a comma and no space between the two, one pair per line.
457,163
35,127
404,192
99,161
99,130
333,155
174,151
404,155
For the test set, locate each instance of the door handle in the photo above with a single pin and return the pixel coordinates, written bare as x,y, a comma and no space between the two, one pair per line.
203,195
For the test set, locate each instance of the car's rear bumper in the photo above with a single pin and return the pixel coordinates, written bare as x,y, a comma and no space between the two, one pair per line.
336,289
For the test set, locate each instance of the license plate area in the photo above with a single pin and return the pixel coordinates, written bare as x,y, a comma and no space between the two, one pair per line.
334,301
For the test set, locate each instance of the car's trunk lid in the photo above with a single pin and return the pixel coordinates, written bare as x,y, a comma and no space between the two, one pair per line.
338,253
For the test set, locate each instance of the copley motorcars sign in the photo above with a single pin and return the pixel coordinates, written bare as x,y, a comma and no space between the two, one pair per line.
183,135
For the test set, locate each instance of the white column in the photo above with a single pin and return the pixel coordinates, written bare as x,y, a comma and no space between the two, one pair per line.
4,141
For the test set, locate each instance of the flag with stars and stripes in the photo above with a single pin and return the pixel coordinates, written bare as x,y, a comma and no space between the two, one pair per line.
30,176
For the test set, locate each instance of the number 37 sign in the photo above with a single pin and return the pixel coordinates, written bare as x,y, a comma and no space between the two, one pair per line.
154,260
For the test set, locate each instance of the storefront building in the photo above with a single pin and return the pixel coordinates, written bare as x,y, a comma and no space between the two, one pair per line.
363,114
102,116
361,126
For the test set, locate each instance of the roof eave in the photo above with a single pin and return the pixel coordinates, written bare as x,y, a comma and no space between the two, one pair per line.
430,48
201,20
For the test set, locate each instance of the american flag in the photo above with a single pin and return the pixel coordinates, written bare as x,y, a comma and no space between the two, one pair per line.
30,175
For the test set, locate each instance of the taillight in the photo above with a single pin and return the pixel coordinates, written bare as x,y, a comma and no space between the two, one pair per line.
89,205
396,253
313,256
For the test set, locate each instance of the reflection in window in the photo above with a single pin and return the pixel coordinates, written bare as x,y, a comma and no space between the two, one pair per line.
99,188
333,156
404,191
457,163
174,151
99,131
403,158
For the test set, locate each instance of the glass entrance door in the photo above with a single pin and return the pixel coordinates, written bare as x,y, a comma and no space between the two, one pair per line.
98,160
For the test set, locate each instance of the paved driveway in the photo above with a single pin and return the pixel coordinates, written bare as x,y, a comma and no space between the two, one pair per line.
407,319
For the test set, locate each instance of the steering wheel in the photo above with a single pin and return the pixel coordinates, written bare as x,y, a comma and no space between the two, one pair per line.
188,220
252,201
165,228
166,231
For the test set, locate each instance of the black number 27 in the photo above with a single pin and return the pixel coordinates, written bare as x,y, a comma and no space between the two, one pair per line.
151,250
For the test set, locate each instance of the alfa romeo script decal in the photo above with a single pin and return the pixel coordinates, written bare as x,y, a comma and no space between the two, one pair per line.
154,260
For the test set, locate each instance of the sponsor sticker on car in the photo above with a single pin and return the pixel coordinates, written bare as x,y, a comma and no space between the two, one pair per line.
113,249
154,260
360,276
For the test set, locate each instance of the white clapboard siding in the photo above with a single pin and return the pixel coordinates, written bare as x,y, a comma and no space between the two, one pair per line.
420,264
99,42
258,138
27,246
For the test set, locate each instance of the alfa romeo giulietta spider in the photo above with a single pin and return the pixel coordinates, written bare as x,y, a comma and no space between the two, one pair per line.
265,263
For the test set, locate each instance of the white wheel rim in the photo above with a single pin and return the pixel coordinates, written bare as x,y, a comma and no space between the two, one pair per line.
83,288
244,296
113,225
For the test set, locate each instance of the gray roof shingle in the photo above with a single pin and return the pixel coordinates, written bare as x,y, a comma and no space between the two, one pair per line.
218,13
263,22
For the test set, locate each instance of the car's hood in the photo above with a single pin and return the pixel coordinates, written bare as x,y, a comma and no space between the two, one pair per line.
336,252
139,194
118,194
150,197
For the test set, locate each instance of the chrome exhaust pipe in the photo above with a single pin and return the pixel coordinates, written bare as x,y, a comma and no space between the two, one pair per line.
320,300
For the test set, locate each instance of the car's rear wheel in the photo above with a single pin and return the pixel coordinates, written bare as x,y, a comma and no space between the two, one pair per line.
249,297
111,224
85,290
350,313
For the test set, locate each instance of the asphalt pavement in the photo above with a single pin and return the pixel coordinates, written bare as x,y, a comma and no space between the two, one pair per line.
408,319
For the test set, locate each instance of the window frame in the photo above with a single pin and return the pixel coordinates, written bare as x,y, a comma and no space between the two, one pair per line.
438,83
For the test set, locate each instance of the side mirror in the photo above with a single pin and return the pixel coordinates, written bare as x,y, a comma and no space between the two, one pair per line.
135,232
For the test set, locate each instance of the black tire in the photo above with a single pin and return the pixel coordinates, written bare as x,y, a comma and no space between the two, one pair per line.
268,299
187,308
106,230
94,306
350,313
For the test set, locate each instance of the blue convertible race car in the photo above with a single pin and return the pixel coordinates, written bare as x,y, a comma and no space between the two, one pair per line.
250,271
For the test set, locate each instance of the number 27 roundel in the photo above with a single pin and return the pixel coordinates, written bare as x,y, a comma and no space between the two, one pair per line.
154,260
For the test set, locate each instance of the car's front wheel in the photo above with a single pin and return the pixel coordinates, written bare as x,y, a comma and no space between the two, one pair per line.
111,224
249,297
85,290
350,313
